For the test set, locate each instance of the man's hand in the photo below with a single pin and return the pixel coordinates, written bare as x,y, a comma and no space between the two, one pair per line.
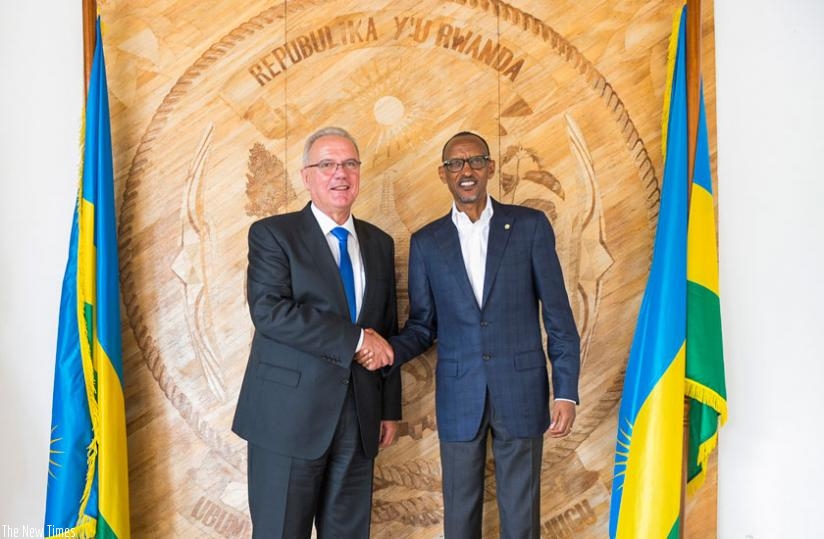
389,429
563,416
375,352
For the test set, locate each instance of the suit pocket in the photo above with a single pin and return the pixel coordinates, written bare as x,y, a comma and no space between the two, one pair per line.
534,359
447,367
279,375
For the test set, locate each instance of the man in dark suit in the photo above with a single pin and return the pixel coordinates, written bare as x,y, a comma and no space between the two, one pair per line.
313,418
478,279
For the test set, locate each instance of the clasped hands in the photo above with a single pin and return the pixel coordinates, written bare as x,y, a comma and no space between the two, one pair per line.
375,352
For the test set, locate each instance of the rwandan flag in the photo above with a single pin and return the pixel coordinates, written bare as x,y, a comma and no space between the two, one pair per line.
705,383
88,486
676,351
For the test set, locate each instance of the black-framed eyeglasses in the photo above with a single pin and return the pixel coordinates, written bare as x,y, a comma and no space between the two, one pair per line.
476,162
329,166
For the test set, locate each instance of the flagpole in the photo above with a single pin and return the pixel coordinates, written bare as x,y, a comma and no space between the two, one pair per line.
89,20
693,78
693,65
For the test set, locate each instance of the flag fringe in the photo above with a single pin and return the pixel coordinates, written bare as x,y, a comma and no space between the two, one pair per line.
704,452
711,398
708,396
86,354
694,484
85,529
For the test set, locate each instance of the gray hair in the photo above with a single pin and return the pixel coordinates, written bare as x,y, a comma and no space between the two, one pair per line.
326,132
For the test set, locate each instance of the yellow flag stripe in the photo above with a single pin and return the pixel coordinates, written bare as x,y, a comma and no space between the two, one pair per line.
702,259
114,480
654,464
86,253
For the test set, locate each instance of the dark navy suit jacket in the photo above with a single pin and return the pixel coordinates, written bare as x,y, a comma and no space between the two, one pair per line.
300,364
497,347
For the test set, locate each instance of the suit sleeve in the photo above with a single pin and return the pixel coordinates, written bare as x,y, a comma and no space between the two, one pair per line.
391,392
563,342
277,315
420,330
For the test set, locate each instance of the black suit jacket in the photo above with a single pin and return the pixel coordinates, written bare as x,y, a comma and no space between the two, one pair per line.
300,364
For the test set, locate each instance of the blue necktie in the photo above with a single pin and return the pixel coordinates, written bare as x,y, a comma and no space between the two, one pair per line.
345,268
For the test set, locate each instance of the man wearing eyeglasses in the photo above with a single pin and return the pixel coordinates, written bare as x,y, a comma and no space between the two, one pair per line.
479,279
313,418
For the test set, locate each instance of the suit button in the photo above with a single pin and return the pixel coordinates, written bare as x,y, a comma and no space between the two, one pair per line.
487,357
345,381
484,323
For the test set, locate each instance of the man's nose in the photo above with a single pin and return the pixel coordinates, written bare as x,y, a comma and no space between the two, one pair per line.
339,171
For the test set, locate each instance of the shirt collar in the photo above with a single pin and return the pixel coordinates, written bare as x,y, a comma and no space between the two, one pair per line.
327,224
459,218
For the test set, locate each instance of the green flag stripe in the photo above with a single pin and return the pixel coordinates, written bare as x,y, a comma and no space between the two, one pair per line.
104,531
88,313
703,426
673,534
705,356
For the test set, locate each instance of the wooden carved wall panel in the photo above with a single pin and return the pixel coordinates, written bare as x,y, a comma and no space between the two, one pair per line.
211,104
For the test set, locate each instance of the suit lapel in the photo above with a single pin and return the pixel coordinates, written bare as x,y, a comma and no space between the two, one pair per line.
371,266
450,245
315,242
500,228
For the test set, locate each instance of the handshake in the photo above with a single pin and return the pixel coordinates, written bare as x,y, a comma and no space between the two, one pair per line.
375,352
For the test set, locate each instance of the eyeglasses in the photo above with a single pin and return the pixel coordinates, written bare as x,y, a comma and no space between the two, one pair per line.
328,166
476,162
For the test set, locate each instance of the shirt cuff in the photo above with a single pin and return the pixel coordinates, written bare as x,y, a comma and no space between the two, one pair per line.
360,342
568,400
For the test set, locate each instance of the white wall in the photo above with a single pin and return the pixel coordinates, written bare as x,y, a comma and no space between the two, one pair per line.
770,116
41,93
770,98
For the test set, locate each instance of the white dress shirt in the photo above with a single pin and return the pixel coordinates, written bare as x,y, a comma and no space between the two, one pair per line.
474,238
326,225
